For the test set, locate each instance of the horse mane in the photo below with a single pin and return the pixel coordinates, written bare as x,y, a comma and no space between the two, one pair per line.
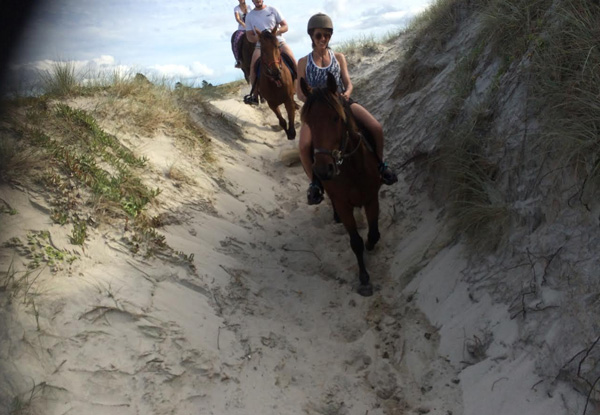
267,35
322,95
343,109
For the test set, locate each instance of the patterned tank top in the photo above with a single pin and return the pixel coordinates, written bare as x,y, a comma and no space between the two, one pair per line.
316,77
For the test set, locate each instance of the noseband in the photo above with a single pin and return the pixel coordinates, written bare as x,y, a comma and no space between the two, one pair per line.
273,70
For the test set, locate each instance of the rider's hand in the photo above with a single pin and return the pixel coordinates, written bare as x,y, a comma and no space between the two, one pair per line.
346,96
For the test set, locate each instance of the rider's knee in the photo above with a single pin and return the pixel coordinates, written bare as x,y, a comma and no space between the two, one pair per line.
305,141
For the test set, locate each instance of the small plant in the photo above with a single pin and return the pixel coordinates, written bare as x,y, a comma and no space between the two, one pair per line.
39,250
79,232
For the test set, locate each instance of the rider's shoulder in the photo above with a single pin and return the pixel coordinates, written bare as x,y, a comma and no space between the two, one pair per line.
339,56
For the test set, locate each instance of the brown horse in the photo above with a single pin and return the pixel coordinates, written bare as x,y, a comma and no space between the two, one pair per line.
346,168
246,50
275,83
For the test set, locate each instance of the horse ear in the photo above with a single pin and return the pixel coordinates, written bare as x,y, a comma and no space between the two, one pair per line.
306,90
274,31
331,83
256,31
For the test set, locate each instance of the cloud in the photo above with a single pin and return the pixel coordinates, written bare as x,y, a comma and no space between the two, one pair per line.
195,70
335,7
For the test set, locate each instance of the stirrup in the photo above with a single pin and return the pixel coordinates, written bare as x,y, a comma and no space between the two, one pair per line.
250,99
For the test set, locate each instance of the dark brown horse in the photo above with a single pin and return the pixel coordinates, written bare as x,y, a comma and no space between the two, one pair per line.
275,83
246,50
346,168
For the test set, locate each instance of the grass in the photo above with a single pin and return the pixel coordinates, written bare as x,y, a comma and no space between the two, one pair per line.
566,66
551,44
61,79
364,45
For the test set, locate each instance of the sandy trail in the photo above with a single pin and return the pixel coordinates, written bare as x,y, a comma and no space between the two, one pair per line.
305,341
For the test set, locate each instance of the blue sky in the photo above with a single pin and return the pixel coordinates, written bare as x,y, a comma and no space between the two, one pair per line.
184,40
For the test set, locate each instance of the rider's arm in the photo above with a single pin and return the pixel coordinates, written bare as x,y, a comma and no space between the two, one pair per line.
238,19
251,35
301,74
345,75
283,27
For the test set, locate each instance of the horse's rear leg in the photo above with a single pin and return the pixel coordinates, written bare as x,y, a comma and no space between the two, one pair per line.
372,212
291,112
282,123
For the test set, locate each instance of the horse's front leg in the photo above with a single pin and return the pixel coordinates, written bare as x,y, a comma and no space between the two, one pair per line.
357,244
290,107
275,109
372,212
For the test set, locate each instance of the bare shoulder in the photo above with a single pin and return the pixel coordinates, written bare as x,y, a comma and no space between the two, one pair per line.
302,62
340,57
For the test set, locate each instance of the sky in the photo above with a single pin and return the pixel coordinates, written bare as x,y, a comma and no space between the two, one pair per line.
183,40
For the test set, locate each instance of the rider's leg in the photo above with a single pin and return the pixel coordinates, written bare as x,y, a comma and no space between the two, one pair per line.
314,193
365,118
255,56
305,147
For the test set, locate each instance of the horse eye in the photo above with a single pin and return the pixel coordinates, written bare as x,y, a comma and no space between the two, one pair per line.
336,118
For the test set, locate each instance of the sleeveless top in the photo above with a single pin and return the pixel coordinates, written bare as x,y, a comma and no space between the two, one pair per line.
316,77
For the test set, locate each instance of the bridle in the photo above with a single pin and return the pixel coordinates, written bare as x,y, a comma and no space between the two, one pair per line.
273,69
339,154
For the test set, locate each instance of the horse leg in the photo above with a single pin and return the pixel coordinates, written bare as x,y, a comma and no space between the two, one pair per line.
372,212
291,111
275,109
336,217
357,244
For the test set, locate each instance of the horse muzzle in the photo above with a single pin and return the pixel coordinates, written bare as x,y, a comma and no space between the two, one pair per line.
328,168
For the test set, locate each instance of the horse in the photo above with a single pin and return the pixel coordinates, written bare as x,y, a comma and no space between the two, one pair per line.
246,49
346,167
275,83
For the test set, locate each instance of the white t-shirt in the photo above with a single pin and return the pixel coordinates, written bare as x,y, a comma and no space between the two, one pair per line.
265,19
238,10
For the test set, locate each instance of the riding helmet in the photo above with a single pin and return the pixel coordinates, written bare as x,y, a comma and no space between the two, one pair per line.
319,21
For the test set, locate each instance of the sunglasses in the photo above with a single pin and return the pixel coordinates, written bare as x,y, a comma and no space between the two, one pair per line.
320,35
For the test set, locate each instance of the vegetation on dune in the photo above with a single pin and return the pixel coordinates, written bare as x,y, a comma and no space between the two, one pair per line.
552,46
90,175
534,64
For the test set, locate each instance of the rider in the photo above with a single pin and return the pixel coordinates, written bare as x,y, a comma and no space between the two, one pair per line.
314,68
264,17
240,11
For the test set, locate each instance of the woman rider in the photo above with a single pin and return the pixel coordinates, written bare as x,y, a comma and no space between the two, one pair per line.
314,68
239,12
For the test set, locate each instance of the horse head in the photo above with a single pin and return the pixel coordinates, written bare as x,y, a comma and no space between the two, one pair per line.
270,54
324,114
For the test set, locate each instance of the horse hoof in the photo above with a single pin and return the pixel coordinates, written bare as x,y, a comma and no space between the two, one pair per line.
369,247
366,290
336,217
291,134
